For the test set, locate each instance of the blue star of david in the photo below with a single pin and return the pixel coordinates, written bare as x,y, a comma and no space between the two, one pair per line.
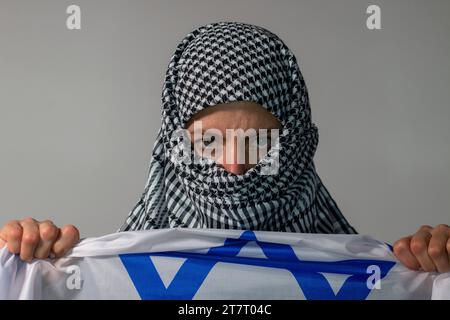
197,266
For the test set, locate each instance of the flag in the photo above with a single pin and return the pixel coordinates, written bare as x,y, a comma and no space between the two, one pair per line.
183,263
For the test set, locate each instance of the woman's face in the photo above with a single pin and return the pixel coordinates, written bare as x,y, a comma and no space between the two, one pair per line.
233,152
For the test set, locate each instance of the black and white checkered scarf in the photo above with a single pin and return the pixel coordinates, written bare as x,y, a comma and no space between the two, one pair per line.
225,62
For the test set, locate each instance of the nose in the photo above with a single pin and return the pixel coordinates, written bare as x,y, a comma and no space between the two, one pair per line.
233,166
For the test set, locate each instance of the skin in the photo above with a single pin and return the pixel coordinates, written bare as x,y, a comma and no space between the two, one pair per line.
428,249
236,115
37,239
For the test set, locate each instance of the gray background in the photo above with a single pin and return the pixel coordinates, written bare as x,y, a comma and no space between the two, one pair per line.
79,110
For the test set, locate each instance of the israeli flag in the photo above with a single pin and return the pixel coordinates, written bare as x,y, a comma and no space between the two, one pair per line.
184,263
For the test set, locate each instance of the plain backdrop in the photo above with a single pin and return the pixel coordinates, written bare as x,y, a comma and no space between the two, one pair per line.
80,109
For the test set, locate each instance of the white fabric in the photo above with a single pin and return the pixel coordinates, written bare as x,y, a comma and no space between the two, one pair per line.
215,264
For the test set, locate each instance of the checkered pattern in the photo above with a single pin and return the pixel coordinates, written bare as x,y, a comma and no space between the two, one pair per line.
219,63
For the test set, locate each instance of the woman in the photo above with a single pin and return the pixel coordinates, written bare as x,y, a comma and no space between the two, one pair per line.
225,77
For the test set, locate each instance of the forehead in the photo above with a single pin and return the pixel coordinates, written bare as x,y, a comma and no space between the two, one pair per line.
233,115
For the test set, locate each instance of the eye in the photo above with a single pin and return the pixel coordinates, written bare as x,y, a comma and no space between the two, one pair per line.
263,140
208,140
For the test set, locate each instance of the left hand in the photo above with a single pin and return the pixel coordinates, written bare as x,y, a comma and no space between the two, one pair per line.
428,249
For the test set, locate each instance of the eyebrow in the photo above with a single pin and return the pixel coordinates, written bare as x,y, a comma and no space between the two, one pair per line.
191,130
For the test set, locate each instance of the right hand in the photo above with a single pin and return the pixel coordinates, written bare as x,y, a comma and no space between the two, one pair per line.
34,239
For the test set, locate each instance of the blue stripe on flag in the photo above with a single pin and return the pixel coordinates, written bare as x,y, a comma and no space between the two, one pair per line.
197,266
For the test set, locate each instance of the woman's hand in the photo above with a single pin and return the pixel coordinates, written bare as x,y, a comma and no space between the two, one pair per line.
34,239
428,249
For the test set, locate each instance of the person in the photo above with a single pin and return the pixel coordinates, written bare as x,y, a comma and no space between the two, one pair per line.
230,76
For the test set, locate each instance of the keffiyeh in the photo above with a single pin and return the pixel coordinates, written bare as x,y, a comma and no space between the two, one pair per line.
226,62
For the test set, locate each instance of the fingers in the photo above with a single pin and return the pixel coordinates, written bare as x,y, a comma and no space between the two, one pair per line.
30,239
67,238
427,249
403,252
419,247
437,249
33,239
48,234
12,234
